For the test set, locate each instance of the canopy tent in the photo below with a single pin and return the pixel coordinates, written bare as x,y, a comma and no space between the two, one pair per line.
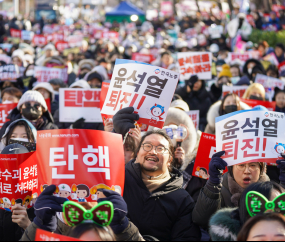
124,12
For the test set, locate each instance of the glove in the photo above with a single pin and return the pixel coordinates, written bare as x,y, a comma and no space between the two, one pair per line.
124,120
120,221
46,207
79,124
281,167
216,167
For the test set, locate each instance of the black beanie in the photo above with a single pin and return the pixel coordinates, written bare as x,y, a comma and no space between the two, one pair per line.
94,75
192,80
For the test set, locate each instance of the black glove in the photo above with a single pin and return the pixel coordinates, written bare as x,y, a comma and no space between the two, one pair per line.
46,207
120,221
281,167
79,124
124,120
216,167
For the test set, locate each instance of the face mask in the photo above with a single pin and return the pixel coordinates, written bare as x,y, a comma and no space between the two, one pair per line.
30,73
31,113
21,139
56,93
249,71
235,80
230,109
7,102
252,97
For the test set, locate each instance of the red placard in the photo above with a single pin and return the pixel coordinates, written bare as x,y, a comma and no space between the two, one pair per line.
271,106
18,180
143,58
80,162
15,33
61,46
207,148
57,37
110,35
5,110
40,40
42,235
104,91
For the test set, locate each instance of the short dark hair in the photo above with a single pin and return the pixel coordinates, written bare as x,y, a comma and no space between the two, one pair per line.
27,128
274,69
269,217
13,91
84,187
237,66
105,234
165,53
204,169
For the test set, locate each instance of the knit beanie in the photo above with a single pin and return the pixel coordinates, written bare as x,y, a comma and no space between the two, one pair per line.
81,83
46,86
243,81
226,71
32,96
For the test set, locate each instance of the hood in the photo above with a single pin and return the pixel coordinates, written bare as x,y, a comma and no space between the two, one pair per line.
214,112
34,131
257,62
102,71
175,182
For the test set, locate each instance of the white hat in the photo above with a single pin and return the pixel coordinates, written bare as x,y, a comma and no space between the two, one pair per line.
32,96
29,58
46,86
6,200
49,47
81,83
180,104
64,187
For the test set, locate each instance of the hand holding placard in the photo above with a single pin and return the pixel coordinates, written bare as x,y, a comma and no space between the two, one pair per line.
216,167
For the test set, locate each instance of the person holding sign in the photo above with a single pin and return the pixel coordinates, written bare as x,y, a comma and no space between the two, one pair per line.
279,97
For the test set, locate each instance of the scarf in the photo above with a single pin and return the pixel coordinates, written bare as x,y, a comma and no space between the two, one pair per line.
153,183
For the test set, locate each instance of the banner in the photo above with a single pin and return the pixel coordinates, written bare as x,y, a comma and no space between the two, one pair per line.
45,74
216,31
40,40
142,58
269,83
207,148
195,116
191,33
76,103
80,162
166,8
15,33
9,72
5,58
251,136
242,57
18,180
27,35
75,40
271,106
61,46
43,235
149,89
238,90
195,63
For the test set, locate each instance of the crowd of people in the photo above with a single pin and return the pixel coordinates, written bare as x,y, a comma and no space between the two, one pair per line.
161,200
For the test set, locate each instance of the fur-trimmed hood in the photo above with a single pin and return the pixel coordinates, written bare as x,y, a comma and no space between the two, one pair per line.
214,112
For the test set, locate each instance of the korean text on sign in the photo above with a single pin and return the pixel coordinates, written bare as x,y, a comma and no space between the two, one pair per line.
251,136
195,116
45,74
195,63
238,90
147,88
80,162
5,110
18,179
9,72
79,103
43,235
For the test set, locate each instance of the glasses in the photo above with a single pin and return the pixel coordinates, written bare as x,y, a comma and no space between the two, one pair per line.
36,105
251,167
159,149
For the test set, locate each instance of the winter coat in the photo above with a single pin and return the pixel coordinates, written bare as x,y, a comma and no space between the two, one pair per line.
131,233
215,93
2,31
197,101
166,213
94,126
15,114
211,199
225,225
214,112
258,64
10,231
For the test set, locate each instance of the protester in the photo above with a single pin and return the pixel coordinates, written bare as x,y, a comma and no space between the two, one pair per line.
232,219
265,227
279,97
32,107
11,95
272,71
230,103
255,92
196,96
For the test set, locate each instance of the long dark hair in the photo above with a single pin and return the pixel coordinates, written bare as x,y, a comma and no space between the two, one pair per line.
27,128
264,188
106,234
221,111
268,217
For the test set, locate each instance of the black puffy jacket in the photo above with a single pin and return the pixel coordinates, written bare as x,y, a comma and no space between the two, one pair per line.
15,114
165,214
